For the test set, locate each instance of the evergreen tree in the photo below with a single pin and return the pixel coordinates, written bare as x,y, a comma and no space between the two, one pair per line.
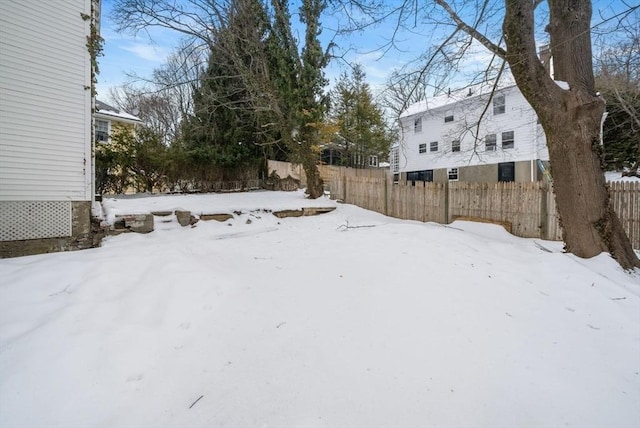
225,128
618,80
312,104
362,131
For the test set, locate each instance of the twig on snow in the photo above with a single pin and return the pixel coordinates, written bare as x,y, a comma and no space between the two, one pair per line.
346,226
194,403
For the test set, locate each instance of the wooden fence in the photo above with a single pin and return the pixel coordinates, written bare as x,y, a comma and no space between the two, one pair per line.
527,209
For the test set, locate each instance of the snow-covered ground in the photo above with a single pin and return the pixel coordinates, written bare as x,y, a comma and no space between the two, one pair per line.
617,176
347,319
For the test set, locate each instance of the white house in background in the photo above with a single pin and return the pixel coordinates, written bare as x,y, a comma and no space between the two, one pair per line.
108,119
471,135
46,180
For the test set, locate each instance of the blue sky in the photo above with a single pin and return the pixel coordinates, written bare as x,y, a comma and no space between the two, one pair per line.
126,54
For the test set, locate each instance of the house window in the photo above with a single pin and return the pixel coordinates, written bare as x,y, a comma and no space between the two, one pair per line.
426,175
490,143
102,130
499,104
395,159
433,146
455,146
507,140
422,148
373,161
417,125
453,174
506,171
448,116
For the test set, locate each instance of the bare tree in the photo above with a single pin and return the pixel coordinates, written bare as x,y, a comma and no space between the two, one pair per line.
570,115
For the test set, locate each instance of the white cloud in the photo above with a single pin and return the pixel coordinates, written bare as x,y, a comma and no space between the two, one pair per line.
147,52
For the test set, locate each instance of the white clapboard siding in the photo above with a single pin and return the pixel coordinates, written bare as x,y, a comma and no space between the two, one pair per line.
519,117
45,101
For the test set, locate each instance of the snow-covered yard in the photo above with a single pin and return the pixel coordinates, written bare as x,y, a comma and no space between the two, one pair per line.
347,319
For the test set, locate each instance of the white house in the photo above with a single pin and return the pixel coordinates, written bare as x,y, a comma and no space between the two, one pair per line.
46,182
477,134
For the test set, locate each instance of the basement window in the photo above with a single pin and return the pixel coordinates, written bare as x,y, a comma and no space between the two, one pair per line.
452,173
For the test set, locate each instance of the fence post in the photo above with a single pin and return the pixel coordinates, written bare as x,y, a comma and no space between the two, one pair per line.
446,202
386,195
544,212
344,188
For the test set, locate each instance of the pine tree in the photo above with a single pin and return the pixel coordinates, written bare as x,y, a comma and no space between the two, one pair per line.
362,131
225,127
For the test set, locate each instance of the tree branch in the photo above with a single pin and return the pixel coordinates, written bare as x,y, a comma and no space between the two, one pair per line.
496,49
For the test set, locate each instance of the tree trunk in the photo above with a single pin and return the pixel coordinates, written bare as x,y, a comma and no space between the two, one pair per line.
571,120
315,186
589,224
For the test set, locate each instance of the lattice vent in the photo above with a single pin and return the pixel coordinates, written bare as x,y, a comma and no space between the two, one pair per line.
34,220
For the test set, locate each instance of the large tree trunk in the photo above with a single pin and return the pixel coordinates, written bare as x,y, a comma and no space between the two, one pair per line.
571,120
315,186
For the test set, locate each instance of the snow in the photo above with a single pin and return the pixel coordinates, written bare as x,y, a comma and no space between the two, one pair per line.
107,110
348,319
215,203
458,95
467,93
617,176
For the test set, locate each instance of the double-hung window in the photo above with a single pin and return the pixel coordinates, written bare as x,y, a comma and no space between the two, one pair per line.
508,140
433,146
499,104
455,146
490,143
422,148
102,130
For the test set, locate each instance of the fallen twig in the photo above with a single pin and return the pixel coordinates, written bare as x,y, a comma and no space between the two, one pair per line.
346,226
194,403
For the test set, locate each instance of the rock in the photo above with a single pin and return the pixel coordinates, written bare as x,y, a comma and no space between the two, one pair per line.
288,213
140,223
183,217
317,211
216,217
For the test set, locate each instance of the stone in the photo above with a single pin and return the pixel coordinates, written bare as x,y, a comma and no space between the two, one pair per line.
288,213
317,210
139,223
216,217
183,217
